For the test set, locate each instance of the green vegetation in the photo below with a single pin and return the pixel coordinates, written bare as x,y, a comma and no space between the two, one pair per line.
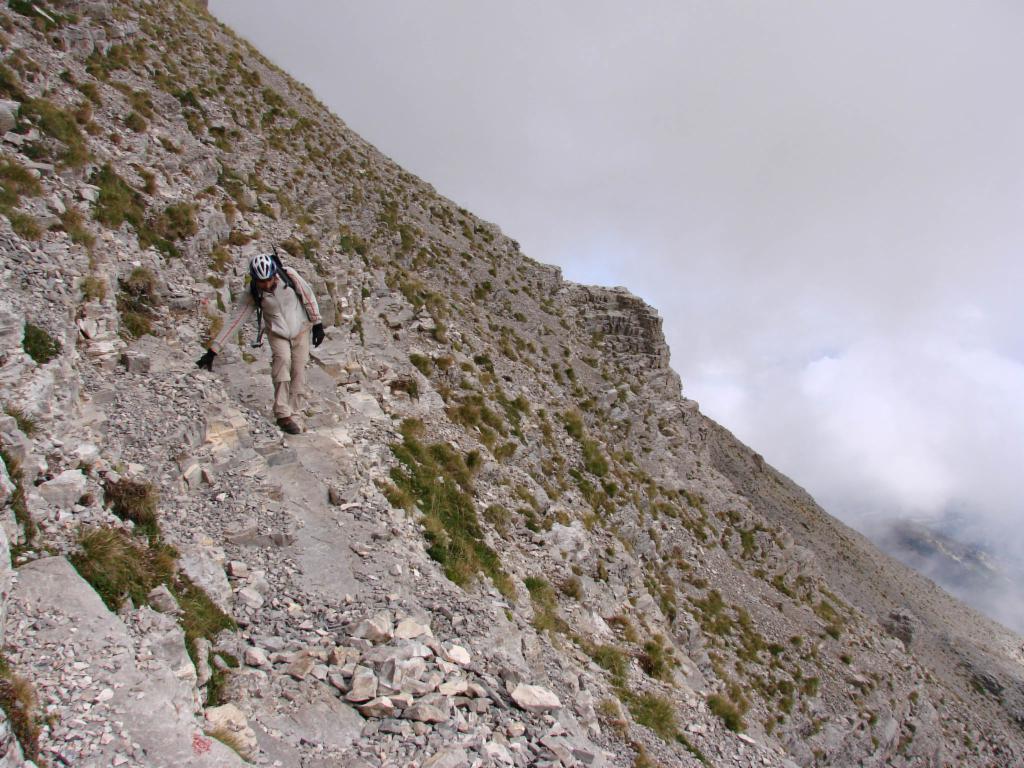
118,567
25,226
134,500
73,222
422,363
117,202
499,517
16,181
10,85
220,259
18,503
612,659
60,125
438,480
19,703
727,711
39,345
657,660
593,460
177,221
655,712
351,243
137,301
136,122
472,411
545,605
25,422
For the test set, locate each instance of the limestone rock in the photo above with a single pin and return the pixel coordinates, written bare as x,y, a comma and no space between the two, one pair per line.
363,686
65,489
459,655
161,599
381,706
8,115
534,698
449,757
409,629
377,629
228,719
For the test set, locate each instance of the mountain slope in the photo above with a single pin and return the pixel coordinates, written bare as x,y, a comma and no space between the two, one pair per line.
500,486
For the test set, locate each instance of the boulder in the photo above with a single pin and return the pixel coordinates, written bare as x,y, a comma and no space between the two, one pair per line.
162,600
381,706
459,655
376,629
423,712
409,629
534,698
8,115
65,489
256,657
228,720
363,686
202,564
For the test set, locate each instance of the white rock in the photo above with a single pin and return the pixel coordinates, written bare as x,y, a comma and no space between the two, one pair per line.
256,657
65,489
229,718
8,115
409,629
376,629
534,698
459,655
249,597
498,752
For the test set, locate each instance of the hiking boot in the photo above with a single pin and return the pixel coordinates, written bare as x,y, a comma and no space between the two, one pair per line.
288,424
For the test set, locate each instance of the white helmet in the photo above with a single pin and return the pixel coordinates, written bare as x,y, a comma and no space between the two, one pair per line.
262,267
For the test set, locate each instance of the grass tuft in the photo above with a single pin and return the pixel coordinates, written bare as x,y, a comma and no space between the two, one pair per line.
19,703
727,711
25,422
137,301
39,345
135,500
545,605
18,503
118,567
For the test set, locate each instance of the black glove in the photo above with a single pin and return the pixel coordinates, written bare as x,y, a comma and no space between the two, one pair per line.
206,361
318,334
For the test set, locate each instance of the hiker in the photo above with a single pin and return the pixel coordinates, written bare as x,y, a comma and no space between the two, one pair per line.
286,309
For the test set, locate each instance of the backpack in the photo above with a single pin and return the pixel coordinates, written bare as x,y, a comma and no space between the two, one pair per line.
257,294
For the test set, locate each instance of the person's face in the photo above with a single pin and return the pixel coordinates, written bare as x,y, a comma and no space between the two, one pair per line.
267,285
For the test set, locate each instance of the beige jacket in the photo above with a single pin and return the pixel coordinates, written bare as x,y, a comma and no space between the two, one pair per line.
286,312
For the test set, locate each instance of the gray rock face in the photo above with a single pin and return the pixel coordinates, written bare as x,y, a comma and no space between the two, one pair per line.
67,614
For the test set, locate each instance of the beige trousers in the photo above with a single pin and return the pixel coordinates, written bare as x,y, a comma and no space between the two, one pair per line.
288,371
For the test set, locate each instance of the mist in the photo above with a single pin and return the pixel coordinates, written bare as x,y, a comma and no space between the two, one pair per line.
822,201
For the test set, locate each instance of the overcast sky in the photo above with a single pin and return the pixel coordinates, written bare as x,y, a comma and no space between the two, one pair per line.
823,200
